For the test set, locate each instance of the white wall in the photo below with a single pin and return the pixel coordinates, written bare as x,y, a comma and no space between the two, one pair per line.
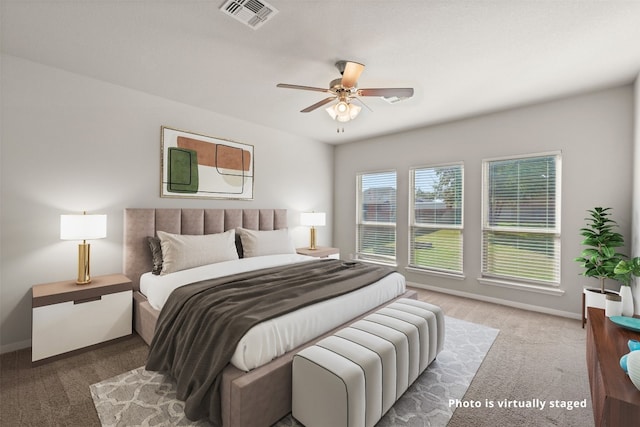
71,143
594,131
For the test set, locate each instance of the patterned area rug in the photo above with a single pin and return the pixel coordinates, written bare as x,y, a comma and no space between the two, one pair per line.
143,398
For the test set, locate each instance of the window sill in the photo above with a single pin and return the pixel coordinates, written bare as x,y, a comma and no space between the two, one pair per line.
368,261
521,286
436,273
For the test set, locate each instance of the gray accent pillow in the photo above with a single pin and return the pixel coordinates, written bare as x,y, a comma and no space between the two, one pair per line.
156,254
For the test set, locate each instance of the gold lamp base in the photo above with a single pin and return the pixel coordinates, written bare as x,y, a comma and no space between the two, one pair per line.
84,276
312,242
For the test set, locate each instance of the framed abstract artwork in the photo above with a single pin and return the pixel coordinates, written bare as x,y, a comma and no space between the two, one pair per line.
199,166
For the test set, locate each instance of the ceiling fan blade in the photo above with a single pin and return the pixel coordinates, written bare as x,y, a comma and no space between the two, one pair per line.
351,74
406,92
315,89
318,104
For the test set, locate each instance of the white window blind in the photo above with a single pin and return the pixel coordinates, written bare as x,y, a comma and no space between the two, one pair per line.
435,240
376,221
521,219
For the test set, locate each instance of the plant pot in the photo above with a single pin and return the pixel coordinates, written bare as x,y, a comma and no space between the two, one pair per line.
594,298
627,300
613,306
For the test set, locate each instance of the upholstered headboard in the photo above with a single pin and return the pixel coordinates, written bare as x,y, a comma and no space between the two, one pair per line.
142,223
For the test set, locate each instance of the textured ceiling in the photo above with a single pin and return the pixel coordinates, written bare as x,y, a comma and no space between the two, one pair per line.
462,57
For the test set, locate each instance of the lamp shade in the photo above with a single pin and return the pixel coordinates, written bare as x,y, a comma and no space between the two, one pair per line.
313,218
83,227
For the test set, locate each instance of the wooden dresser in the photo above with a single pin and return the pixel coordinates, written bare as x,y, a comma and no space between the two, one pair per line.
616,401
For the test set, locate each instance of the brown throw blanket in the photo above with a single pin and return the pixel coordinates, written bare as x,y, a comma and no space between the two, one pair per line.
201,323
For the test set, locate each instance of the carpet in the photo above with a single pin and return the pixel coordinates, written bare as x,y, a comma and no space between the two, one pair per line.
143,398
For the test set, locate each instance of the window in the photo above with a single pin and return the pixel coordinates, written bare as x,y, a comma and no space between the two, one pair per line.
521,219
376,222
435,233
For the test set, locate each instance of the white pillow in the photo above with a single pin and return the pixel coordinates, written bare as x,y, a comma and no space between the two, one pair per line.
182,251
268,242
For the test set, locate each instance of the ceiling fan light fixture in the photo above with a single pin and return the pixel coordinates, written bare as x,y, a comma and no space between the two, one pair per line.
331,112
354,110
341,107
343,111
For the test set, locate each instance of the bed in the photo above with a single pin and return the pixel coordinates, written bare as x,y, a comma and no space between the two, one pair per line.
265,388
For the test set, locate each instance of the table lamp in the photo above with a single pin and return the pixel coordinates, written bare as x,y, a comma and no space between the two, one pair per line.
313,219
83,227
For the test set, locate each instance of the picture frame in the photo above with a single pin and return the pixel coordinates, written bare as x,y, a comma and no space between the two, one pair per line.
198,166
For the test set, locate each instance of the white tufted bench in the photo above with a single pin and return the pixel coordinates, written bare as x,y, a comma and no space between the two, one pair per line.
352,378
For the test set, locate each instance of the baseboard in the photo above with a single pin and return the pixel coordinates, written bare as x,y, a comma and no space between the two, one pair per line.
508,303
8,348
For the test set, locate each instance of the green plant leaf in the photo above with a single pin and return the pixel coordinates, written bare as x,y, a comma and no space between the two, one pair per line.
608,251
588,253
622,268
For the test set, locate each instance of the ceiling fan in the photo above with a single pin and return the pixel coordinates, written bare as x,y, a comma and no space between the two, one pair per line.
345,90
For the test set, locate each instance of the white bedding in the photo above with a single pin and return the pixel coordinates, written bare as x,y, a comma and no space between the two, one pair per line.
268,340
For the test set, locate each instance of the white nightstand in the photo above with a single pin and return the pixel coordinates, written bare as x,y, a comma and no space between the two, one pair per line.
320,252
67,316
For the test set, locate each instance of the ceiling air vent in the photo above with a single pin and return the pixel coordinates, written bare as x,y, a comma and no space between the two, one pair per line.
394,99
253,13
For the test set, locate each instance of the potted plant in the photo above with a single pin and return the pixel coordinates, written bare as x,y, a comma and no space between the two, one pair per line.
600,258
625,269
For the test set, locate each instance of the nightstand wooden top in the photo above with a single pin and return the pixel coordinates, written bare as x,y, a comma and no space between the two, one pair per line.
68,290
319,251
